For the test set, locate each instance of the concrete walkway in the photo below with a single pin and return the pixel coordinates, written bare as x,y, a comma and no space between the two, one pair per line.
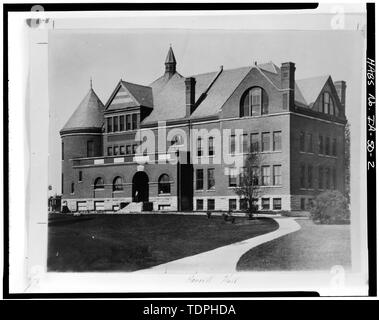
223,259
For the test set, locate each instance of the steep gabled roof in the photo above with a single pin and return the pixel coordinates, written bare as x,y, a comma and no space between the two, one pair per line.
310,88
127,94
89,113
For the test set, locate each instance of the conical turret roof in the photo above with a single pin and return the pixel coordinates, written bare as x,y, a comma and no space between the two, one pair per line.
170,56
88,115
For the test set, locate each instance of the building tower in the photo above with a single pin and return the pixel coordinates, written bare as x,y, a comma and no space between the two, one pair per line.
81,137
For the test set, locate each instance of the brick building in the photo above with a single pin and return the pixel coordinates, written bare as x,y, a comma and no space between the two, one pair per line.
297,126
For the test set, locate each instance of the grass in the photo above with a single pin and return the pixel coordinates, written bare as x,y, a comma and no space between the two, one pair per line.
313,247
133,242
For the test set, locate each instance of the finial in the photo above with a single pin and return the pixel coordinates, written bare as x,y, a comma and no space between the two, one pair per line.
170,45
90,82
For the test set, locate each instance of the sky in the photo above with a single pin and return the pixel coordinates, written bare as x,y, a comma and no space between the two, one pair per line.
138,56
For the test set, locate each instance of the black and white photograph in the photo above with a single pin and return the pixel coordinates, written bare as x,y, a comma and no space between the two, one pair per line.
179,151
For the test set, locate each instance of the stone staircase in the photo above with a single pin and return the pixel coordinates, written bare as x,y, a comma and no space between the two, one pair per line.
132,207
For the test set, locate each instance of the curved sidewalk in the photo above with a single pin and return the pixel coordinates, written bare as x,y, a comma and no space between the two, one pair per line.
223,259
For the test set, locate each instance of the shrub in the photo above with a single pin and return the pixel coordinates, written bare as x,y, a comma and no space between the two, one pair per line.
330,207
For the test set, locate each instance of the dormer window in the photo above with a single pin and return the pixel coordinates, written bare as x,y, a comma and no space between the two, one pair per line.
254,102
328,104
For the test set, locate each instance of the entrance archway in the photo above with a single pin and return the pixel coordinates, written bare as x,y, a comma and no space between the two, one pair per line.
140,189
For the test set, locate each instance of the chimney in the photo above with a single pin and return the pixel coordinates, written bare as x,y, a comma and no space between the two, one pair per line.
341,91
190,95
287,72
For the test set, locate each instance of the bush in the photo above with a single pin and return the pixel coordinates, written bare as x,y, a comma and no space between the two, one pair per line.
330,207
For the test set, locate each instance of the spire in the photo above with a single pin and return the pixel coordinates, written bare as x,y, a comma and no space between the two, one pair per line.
170,63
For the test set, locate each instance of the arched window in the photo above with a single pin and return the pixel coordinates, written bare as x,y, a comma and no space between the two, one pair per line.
177,140
72,187
254,102
164,184
328,104
117,184
99,183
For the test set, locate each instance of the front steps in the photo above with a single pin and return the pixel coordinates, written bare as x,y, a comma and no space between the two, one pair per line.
132,207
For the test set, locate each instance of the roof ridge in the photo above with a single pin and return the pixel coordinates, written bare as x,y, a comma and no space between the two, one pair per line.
136,84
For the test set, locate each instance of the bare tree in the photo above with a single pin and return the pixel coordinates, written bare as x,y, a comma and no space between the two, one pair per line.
248,186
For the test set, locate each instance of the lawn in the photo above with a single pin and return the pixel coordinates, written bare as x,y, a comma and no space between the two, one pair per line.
133,242
313,247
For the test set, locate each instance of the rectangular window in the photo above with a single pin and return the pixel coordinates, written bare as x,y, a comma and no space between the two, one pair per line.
327,146
80,176
199,204
115,150
128,149
128,122
310,143
277,139
265,175
302,176
109,124
211,146
254,142
320,177
255,174
134,148
302,203
327,178
232,144
199,147
277,204
245,144
265,141
122,123
199,179
115,124
232,204
211,204
243,204
334,178
334,147
90,150
62,150
266,203
320,144
122,149
232,178
134,121
310,177
302,141
277,175
110,151
211,179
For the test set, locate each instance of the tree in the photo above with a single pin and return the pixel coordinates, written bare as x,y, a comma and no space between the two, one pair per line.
248,186
347,162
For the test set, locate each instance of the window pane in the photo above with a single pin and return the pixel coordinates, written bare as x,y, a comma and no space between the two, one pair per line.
310,177
277,141
211,204
110,151
327,146
232,178
254,143
90,150
232,144
277,175
122,149
302,141
199,179
265,203
134,121
115,124
277,203
302,176
265,141
199,204
128,149
115,150
211,179
327,178
265,175
245,144
164,184
255,101
210,146
109,124
128,122
320,145
122,123
199,147
334,148
232,204
310,142
320,178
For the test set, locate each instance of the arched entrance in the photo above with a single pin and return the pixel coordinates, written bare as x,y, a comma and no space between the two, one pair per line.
140,189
